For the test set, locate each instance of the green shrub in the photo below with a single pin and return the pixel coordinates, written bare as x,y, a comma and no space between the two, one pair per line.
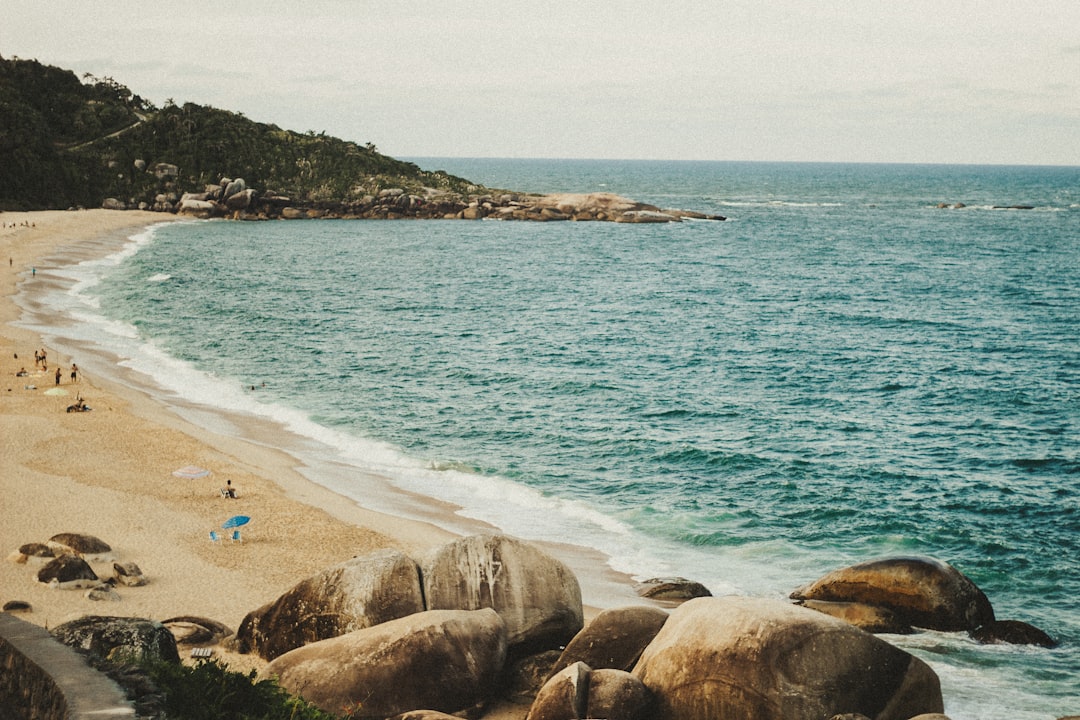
209,691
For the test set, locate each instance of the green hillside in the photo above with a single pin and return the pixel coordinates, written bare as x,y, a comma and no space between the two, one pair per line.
68,142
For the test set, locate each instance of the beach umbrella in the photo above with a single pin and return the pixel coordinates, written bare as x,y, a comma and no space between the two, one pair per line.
235,521
191,472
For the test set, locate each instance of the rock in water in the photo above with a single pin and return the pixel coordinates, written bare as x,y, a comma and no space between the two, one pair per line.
768,660
1013,632
444,660
921,591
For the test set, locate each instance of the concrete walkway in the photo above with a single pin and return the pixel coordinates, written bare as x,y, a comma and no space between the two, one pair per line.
45,679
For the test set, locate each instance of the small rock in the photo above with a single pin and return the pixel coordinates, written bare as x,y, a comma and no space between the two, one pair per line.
675,589
128,574
1013,632
103,593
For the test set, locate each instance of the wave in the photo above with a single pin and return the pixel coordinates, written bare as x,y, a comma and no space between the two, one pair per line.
776,203
159,277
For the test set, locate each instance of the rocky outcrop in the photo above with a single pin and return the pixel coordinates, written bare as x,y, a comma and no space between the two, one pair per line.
443,660
615,638
352,595
765,659
536,595
921,591
234,198
119,637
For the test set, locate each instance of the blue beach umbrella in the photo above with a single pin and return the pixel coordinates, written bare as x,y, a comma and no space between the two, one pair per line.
235,521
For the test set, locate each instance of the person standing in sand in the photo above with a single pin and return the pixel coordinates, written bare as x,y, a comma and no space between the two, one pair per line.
57,374
74,372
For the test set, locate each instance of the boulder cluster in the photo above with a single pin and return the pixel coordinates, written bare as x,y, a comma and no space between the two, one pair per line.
63,562
232,198
490,617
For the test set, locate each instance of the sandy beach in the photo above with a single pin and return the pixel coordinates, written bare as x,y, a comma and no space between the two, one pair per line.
108,473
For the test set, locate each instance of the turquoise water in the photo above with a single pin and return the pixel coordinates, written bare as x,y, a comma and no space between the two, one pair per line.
839,372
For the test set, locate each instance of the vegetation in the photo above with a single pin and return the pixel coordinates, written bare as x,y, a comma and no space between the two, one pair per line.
209,691
67,142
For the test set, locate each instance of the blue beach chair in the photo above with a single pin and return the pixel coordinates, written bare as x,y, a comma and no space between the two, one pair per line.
214,537
236,536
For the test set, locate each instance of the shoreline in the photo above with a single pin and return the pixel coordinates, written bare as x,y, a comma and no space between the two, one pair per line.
108,473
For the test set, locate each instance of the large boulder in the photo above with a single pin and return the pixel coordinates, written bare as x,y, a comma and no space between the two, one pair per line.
444,660
578,691
240,201
119,638
68,572
769,660
352,595
613,639
197,208
537,595
921,591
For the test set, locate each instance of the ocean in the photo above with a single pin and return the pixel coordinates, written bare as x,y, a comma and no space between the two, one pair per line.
841,371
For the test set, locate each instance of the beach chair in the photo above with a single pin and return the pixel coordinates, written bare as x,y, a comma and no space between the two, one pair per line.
236,536
214,537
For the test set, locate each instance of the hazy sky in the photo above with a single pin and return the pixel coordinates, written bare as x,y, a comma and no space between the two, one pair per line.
954,81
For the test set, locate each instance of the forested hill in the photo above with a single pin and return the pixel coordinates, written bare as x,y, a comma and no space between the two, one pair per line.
67,142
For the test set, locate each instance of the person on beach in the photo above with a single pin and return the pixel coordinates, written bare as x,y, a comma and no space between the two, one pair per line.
74,372
22,372
37,358
57,374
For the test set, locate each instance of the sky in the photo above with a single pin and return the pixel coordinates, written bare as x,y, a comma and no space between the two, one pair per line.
917,81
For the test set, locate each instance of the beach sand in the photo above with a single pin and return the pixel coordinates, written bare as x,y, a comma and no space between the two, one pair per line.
108,473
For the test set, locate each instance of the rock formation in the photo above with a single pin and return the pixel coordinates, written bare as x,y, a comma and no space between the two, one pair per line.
615,638
68,571
537,596
921,591
91,548
355,594
768,660
444,660
578,691
119,637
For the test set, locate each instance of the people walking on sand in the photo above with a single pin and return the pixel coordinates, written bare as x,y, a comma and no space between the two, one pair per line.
57,374
37,358
74,372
